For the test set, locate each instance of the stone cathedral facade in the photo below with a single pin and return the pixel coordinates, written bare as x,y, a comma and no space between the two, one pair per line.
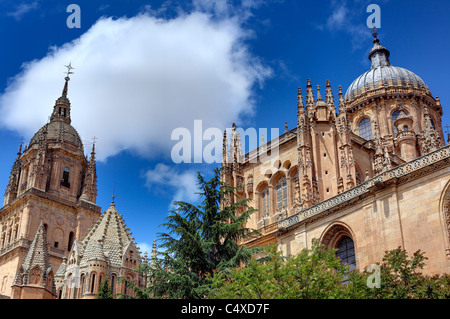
364,176
54,240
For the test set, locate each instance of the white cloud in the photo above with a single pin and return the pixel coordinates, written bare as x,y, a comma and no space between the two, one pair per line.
22,9
136,79
347,18
165,179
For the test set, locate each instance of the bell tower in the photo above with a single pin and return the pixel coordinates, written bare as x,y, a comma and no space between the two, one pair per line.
52,183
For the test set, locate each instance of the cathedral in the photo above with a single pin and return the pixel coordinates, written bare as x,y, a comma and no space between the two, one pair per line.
54,240
366,176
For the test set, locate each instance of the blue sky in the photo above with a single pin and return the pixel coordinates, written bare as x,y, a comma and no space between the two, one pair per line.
145,68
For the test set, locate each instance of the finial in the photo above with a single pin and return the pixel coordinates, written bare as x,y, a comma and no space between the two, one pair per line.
319,97
94,139
69,68
114,195
285,127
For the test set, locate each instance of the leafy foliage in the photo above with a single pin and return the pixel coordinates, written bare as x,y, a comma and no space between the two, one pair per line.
401,278
317,273
314,273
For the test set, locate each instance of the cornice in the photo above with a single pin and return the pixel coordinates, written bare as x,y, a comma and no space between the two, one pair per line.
409,171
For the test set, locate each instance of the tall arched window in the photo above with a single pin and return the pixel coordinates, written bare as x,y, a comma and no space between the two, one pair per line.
113,283
281,193
265,202
346,252
83,277
70,243
65,177
92,283
365,129
394,118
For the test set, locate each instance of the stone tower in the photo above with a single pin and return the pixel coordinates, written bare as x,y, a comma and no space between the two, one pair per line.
51,182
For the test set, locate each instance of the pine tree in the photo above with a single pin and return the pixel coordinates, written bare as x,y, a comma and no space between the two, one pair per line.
199,240
104,291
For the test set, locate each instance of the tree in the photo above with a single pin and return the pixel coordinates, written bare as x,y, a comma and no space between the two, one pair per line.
318,273
314,273
401,278
104,291
200,239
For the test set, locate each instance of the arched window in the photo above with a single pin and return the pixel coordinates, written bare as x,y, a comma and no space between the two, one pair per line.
281,193
265,202
432,124
83,277
70,243
92,283
113,283
65,178
395,115
365,129
346,252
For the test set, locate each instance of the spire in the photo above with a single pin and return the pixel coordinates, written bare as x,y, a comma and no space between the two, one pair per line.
319,97
309,94
13,183
89,192
225,148
379,55
430,139
300,105
329,100
342,109
61,110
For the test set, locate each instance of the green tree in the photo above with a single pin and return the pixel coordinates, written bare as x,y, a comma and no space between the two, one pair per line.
199,239
401,277
314,273
104,291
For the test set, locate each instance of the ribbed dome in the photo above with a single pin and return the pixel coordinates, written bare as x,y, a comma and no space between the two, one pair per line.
59,131
383,75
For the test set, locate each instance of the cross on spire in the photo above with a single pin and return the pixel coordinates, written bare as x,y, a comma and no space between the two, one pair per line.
69,68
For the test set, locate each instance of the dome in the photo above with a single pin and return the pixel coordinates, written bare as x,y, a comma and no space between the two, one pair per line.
59,131
383,75
59,128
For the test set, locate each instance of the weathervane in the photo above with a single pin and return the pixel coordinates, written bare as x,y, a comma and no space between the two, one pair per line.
69,68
